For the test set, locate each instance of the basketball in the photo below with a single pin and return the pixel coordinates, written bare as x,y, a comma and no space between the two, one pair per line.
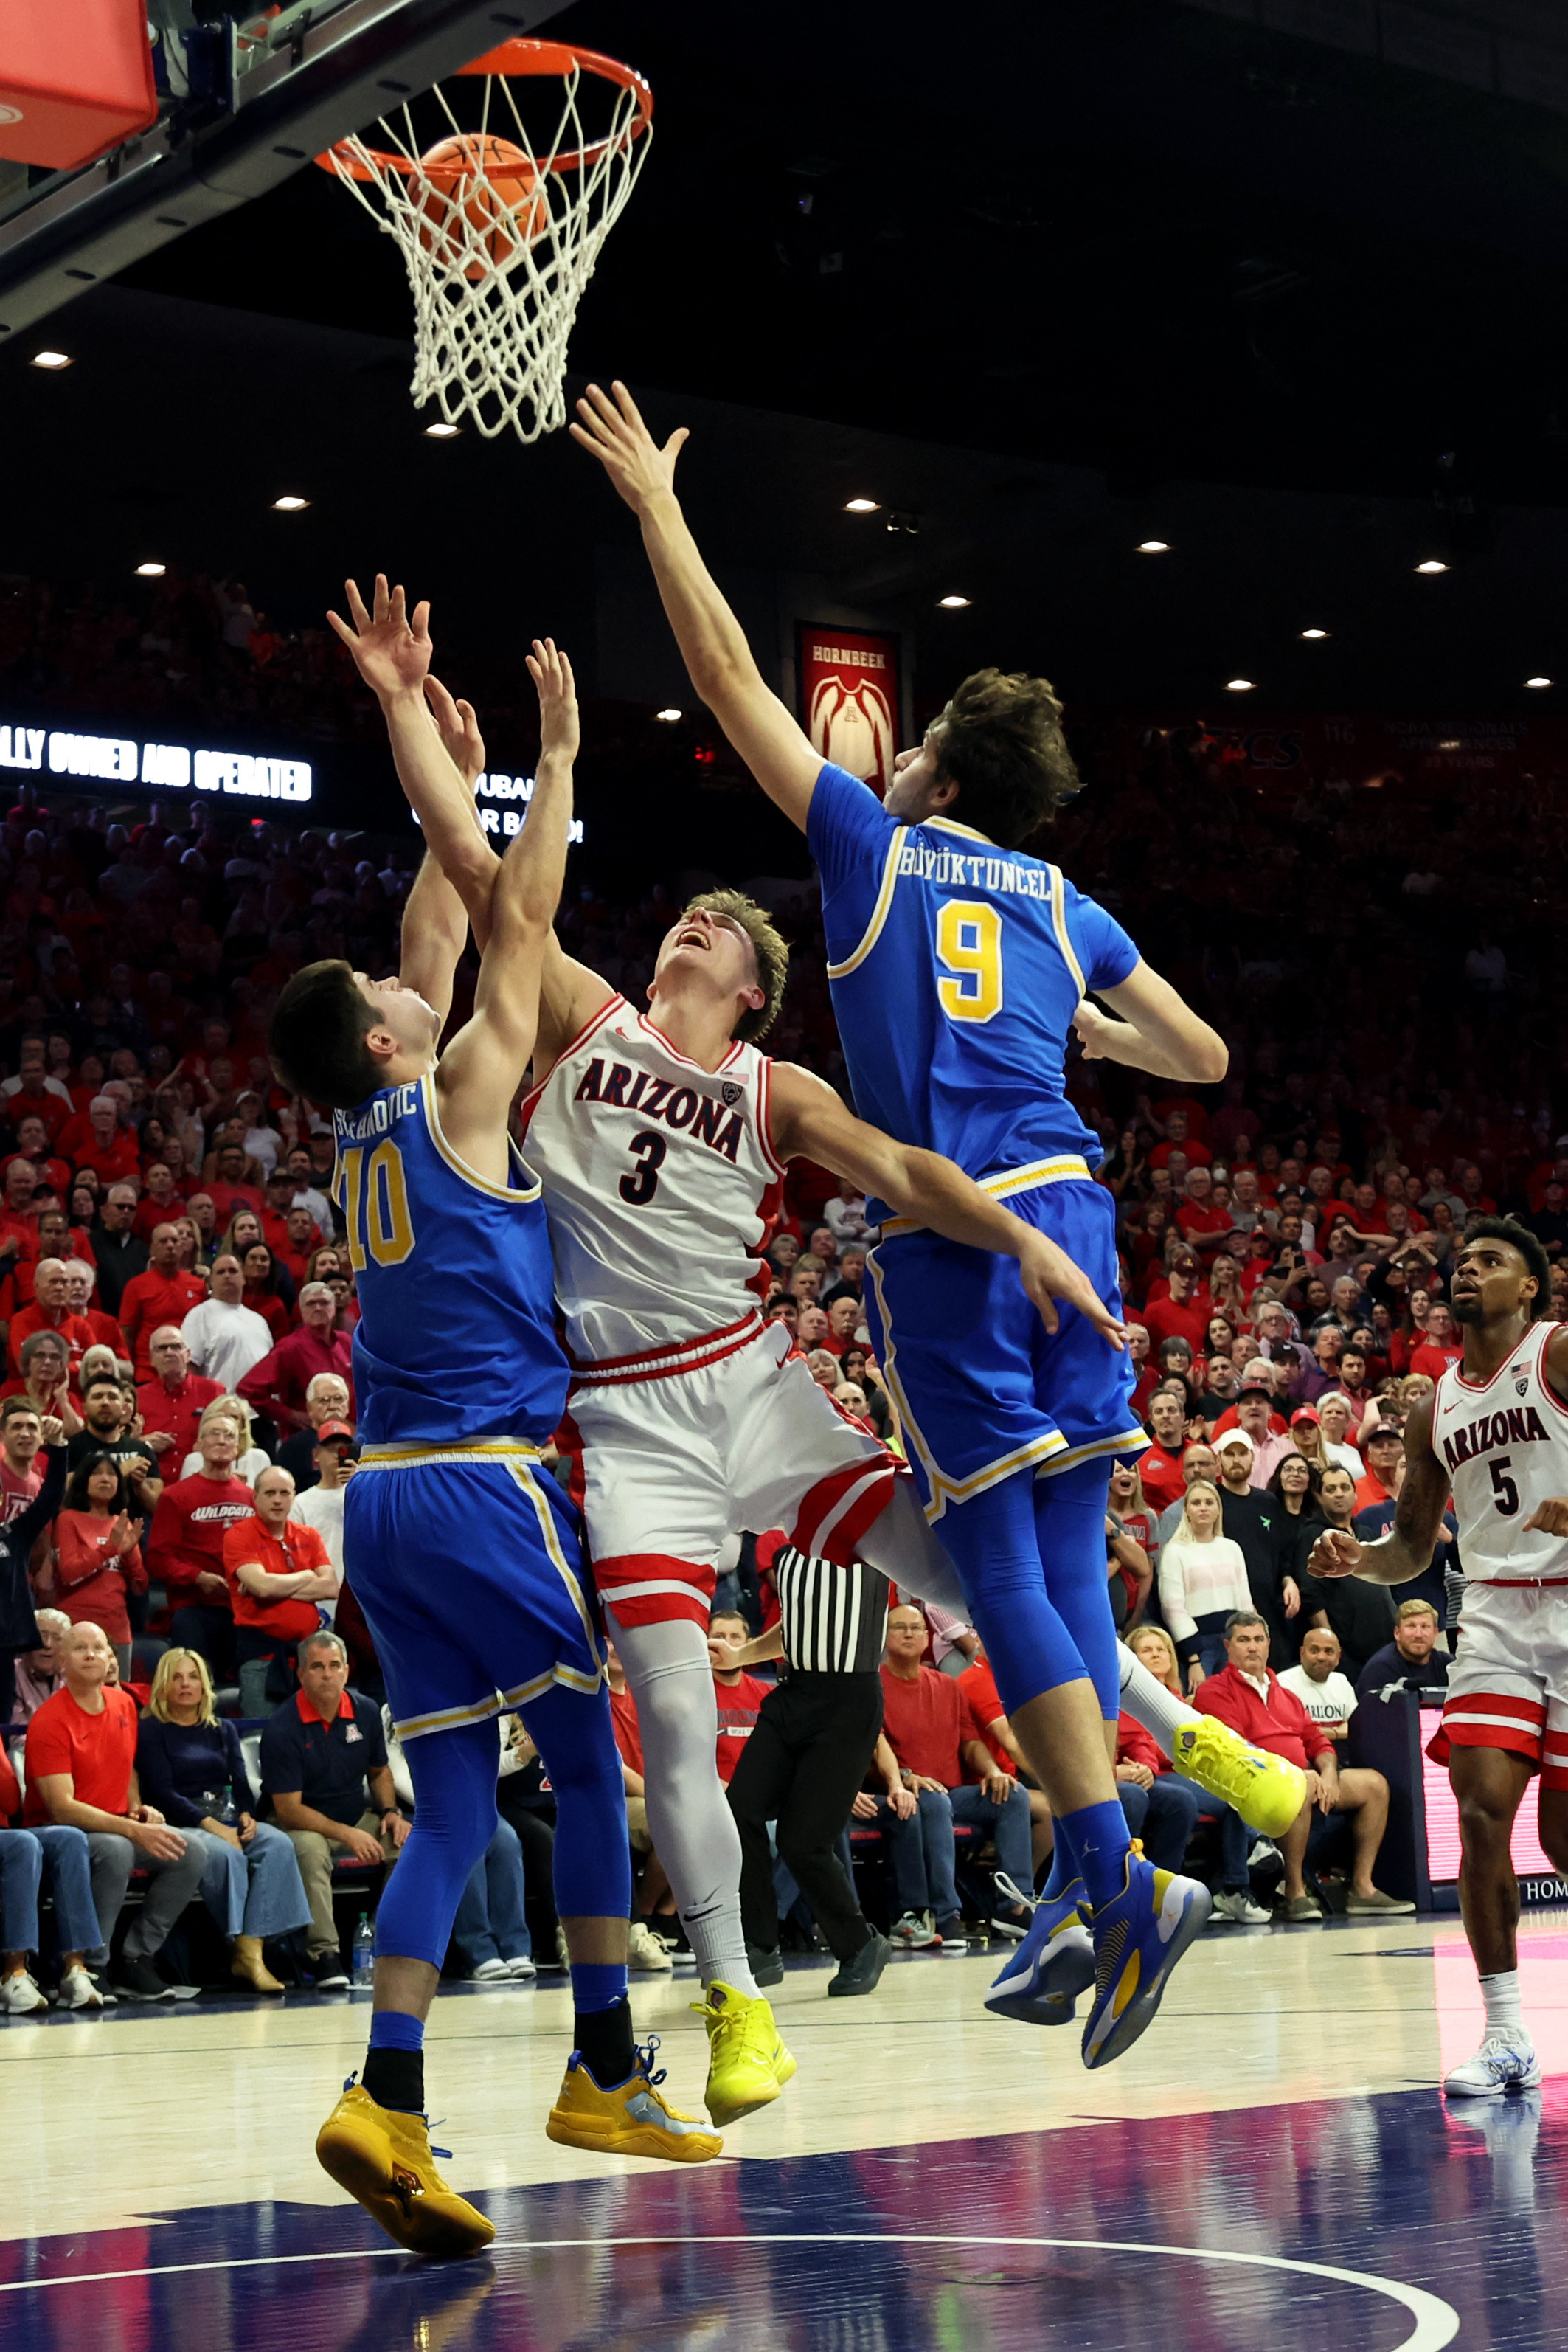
494,186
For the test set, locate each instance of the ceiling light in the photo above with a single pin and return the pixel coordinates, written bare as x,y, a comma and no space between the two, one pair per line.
1431,564
442,432
954,604
862,505
669,717
1237,686
1315,633
289,504
51,359
1154,547
151,570
1538,681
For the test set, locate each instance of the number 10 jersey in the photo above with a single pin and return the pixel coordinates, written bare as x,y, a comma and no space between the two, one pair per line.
662,1186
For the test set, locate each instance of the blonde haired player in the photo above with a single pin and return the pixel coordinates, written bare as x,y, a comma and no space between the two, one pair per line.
1495,1430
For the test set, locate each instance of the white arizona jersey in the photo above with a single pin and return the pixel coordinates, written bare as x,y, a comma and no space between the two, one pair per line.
660,1185
1505,1444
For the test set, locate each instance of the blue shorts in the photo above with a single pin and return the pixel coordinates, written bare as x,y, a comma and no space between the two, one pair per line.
467,1561
982,1388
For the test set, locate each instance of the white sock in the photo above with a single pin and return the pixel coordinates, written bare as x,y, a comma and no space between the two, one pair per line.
1146,1698
1504,2014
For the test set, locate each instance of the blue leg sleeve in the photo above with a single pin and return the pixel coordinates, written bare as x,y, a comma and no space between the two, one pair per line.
453,1775
571,1731
994,1543
1070,1527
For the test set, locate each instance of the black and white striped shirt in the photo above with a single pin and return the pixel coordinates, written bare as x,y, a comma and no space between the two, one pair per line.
833,1618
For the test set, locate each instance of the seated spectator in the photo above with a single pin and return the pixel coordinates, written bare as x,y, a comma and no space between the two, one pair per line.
1383,1449
277,1571
490,1928
116,1251
26,1857
191,1766
1413,1661
82,1774
652,1895
524,1797
277,1386
163,1296
45,1384
21,1472
321,1505
1359,1613
251,1460
930,1728
325,1776
1203,1582
979,1685
1160,1807
326,1399
1153,1646
1328,1695
50,1311
39,1673
109,1408
1128,1572
226,1338
262,1293
1335,1418
185,1545
97,1548
739,1695
173,1401
1248,1696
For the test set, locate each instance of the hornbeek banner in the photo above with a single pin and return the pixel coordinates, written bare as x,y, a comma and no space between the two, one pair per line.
850,698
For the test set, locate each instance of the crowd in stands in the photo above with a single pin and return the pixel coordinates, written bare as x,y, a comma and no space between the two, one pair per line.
177,1416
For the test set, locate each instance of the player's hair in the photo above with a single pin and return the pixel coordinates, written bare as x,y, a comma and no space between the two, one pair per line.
1001,743
767,947
1530,1247
317,1037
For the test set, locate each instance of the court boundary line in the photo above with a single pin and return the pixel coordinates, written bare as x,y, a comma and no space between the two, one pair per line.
1437,2322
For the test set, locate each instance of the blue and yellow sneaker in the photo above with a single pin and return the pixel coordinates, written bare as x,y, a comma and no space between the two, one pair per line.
1054,1963
631,2119
383,2157
748,2062
1139,1935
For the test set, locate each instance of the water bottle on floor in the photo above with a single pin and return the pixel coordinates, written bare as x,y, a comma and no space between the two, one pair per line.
364,1954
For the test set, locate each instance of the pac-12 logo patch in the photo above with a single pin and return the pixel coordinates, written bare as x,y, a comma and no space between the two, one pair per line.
731,1094
1521,1384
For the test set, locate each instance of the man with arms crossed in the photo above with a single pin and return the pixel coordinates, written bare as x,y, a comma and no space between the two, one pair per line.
1495,1429
959,968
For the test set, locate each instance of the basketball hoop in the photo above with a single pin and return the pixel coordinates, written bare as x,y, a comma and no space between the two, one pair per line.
500,234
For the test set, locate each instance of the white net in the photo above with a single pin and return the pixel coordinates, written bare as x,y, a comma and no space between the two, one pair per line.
499,237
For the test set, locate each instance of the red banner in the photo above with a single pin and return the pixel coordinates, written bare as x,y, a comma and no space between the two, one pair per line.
850,699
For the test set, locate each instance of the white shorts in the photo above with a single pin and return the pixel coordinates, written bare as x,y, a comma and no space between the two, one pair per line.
668,1458
1507,1686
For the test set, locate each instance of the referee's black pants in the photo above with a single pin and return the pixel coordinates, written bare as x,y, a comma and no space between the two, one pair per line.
800,1769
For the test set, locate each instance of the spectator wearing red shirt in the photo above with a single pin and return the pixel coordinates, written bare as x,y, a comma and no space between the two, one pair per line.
1180,1142
172,1401
1160,1466
186,1547
82,1774
160,1204
930,1726
277,1571
1204,1225
52,1175
1440,1343
298,1237
97,1552
228,1187
82,1277
32,1094
1383,1449
164,1294
109,1150
739,1694
276,1385
1250,1696
50,1311
1182,1310
18,1217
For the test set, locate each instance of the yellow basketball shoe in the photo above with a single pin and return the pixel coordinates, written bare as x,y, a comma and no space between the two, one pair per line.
1266,1791
748,2062
634,2118
383,2157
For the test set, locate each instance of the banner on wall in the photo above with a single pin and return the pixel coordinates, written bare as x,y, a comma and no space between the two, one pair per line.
850,698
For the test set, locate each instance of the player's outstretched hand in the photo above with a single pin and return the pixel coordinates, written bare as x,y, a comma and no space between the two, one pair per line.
614,431
1049,1273
551,673
391,648
1335,1553
1551,1518
457,724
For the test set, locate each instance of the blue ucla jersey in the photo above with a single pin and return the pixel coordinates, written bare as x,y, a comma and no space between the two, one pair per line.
456,1335
956,968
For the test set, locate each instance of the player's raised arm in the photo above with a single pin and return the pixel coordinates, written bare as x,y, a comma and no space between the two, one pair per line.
712,642
808,1118
1154,1030
1407,1549
483,1067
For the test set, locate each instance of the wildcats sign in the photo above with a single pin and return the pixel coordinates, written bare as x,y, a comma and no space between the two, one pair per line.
850,699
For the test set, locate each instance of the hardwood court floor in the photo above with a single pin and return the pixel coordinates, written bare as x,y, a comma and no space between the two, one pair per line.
1272,2163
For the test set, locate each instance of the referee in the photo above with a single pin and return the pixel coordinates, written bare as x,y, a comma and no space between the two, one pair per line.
807,1757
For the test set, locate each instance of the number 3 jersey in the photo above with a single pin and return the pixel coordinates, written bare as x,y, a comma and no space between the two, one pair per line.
661,1185
956,968
456,1335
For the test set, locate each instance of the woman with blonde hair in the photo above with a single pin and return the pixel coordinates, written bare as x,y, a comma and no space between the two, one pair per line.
1203,1577
191,1766
250,1461
1154,1648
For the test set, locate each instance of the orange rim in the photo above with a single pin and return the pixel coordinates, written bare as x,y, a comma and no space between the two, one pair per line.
515,57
